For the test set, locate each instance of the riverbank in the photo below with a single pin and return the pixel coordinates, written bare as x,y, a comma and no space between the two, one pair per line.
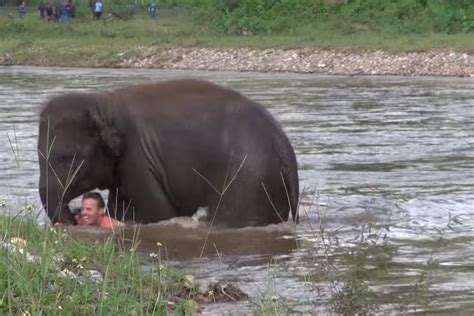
179,39
435,62
440,62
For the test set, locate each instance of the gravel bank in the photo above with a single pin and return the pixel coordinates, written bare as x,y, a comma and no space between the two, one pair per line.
439,62
308,60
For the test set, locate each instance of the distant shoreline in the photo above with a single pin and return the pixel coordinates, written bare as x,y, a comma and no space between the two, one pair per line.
434,62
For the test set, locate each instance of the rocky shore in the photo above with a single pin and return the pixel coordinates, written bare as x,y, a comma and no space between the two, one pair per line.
440,62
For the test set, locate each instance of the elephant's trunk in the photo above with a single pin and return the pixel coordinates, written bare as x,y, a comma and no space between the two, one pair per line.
55,204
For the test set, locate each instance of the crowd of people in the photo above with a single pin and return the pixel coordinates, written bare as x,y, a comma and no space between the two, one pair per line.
63,11
66,10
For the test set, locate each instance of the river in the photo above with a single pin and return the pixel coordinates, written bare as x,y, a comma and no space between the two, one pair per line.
386,169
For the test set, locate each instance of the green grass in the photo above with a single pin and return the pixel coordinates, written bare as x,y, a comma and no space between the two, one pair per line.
46,271
88,43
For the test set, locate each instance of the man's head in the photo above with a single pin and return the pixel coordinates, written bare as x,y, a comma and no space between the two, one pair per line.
93,209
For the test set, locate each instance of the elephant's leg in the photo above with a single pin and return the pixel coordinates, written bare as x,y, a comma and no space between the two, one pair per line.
149,202
236,207
150,205
252,201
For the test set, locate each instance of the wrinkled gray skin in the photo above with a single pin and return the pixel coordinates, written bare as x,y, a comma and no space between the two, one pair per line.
165,149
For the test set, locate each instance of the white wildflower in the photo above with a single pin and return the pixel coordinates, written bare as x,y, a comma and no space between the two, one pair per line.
19,242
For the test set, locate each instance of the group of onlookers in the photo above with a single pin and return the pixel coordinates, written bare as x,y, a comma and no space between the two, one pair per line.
64,11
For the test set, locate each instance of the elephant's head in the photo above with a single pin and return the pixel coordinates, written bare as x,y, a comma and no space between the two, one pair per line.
77,147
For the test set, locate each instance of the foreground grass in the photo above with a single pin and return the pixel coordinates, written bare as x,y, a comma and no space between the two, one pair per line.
45,271
87,43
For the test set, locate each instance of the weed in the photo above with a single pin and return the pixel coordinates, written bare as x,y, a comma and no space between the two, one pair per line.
365,260
421,289
269,302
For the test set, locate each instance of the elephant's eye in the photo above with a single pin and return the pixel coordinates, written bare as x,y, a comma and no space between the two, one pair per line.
66,158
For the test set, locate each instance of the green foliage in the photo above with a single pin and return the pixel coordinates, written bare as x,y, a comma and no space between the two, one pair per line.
452,16
14,27
46,271
281,16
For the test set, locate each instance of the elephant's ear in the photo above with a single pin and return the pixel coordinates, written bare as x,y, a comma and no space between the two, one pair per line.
104,125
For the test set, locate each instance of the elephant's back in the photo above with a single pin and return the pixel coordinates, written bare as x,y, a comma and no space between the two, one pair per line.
185,106
180,97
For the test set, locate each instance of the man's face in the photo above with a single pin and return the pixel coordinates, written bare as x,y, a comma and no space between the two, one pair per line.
91,213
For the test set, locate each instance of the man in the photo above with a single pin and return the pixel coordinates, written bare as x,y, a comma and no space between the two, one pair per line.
22,9
98,9
152,10
93,212
66,11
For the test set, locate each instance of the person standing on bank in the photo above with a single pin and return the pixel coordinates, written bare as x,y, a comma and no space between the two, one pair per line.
22,9
98,9
152,10
93,212
66,11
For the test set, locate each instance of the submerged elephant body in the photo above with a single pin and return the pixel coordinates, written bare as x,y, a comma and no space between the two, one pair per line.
164,150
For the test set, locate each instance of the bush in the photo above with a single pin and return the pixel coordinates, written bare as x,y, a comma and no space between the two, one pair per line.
277,16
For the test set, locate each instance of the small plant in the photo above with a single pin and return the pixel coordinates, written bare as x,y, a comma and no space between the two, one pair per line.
421,289
365,260
270,302
15,27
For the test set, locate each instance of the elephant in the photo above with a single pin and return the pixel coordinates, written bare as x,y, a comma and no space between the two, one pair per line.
165,149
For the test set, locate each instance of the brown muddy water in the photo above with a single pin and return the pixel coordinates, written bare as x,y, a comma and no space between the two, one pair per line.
387,177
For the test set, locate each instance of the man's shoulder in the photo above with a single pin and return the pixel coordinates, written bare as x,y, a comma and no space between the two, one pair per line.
108,222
